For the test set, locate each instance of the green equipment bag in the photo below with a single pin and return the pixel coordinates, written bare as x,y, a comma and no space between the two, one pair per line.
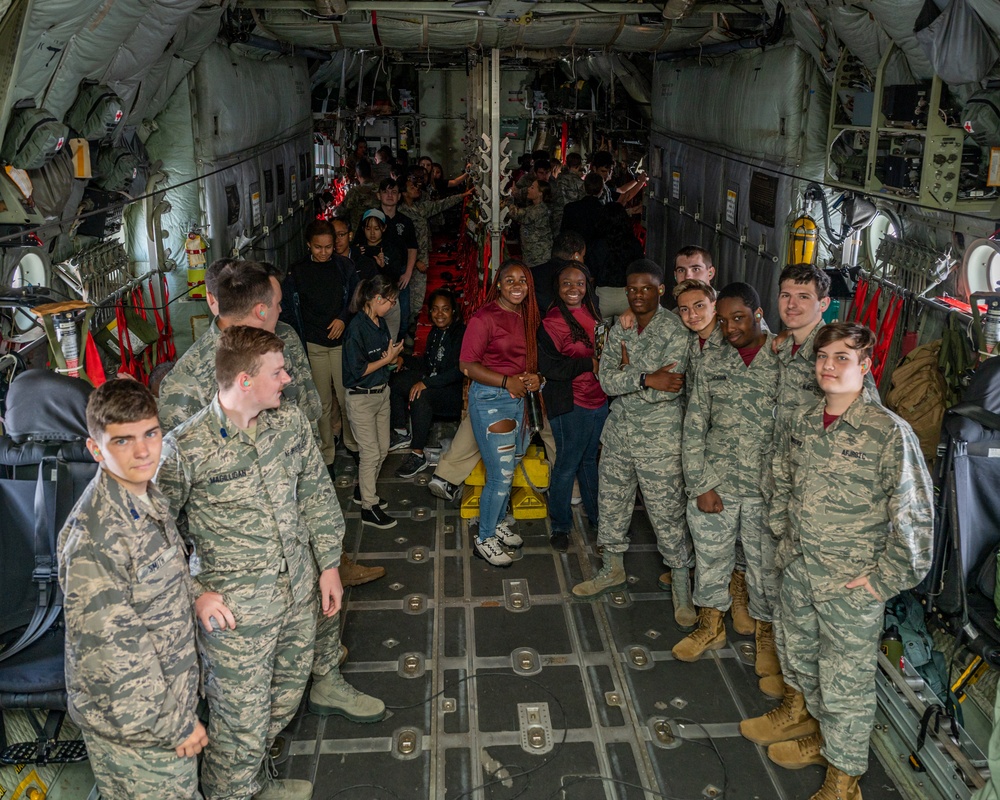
96,113
116,169
33,138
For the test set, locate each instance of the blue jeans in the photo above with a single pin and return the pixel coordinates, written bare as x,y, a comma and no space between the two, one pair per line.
500,451
578,436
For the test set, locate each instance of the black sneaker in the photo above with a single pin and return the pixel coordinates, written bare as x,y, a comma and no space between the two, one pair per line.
413,465
377,518
441,488
357,497
399,441
559,541
356,456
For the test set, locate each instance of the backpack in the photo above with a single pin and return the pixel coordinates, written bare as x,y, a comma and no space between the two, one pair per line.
96,112
33,138
117,169
919,394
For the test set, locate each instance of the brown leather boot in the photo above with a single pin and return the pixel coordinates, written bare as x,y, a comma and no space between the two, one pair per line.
838,786
709,635
772,686
767,655
743,623
790,720
354,574
798,753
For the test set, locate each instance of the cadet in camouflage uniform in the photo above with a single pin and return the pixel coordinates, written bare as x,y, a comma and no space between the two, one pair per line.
567,188
419,211
261,515
536,232
642,369
727,444
131,665
360,197
246,295
852,509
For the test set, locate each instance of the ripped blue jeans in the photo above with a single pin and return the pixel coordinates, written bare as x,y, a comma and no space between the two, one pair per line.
500,452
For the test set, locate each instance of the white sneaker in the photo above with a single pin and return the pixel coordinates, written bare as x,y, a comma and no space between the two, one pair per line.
492,552
506,536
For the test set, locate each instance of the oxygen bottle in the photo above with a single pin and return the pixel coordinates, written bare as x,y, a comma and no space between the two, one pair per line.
892,646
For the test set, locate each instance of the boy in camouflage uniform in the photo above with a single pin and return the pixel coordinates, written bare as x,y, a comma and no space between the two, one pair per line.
261,516
728,430
852,510
131,664
641,368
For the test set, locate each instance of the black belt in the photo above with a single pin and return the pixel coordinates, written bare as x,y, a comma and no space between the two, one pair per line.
363,390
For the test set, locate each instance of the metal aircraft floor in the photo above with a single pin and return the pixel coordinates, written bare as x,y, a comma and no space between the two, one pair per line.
454,647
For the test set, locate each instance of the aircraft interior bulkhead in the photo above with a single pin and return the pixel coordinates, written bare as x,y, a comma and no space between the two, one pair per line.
158,156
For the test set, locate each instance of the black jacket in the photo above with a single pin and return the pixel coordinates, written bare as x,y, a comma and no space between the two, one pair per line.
440,367
315,294
559,371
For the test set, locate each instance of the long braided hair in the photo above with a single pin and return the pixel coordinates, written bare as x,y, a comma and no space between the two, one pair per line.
529,310
577,333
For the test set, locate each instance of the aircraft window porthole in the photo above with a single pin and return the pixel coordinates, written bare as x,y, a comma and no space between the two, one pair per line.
981,266
884,224
29,271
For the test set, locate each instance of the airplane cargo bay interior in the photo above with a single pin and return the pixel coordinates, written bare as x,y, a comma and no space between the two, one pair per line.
160,158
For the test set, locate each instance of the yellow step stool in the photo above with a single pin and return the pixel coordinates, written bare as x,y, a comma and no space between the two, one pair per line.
526,502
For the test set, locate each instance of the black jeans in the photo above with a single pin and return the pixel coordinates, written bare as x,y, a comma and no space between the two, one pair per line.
444,401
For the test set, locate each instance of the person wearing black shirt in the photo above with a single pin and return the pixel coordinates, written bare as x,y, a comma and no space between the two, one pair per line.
431,388
380,254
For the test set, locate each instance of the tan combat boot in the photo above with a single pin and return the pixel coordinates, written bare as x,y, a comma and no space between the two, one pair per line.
838,786
354,574
772,686
709,635
664,580
680,591
798,753
790,720
766,662
609,579
285,789
743,623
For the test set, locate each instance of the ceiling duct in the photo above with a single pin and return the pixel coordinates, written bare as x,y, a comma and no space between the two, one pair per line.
678,9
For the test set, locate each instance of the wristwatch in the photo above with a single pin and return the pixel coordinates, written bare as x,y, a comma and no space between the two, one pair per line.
642,380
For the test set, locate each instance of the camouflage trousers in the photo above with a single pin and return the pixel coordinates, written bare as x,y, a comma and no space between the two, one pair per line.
662,484
255,676
141,773
418,291
328,646
832,646
715,538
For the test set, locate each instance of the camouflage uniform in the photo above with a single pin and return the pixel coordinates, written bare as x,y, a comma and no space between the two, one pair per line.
798,389
567,188
190,385
131,665
727,446
419,213
852,499
262,516
358,200
536,236
641,438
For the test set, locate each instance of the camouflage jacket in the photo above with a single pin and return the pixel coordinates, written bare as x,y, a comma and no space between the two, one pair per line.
729,423
698,354
190,385
567,188
536,235
131,666
419,213
358,200
250,503
644,422
853,499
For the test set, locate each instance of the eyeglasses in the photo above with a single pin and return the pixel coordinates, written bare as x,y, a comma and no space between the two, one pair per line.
390,300
343,234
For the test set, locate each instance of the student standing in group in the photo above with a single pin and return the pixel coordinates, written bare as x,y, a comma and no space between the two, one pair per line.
368,352
266,532
575,403
642,370
132,670
728,438
499,354
853,513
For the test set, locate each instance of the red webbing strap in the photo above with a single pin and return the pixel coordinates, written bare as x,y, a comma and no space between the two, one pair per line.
124,344
885,335
170,351
870,315
92,361
857,304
